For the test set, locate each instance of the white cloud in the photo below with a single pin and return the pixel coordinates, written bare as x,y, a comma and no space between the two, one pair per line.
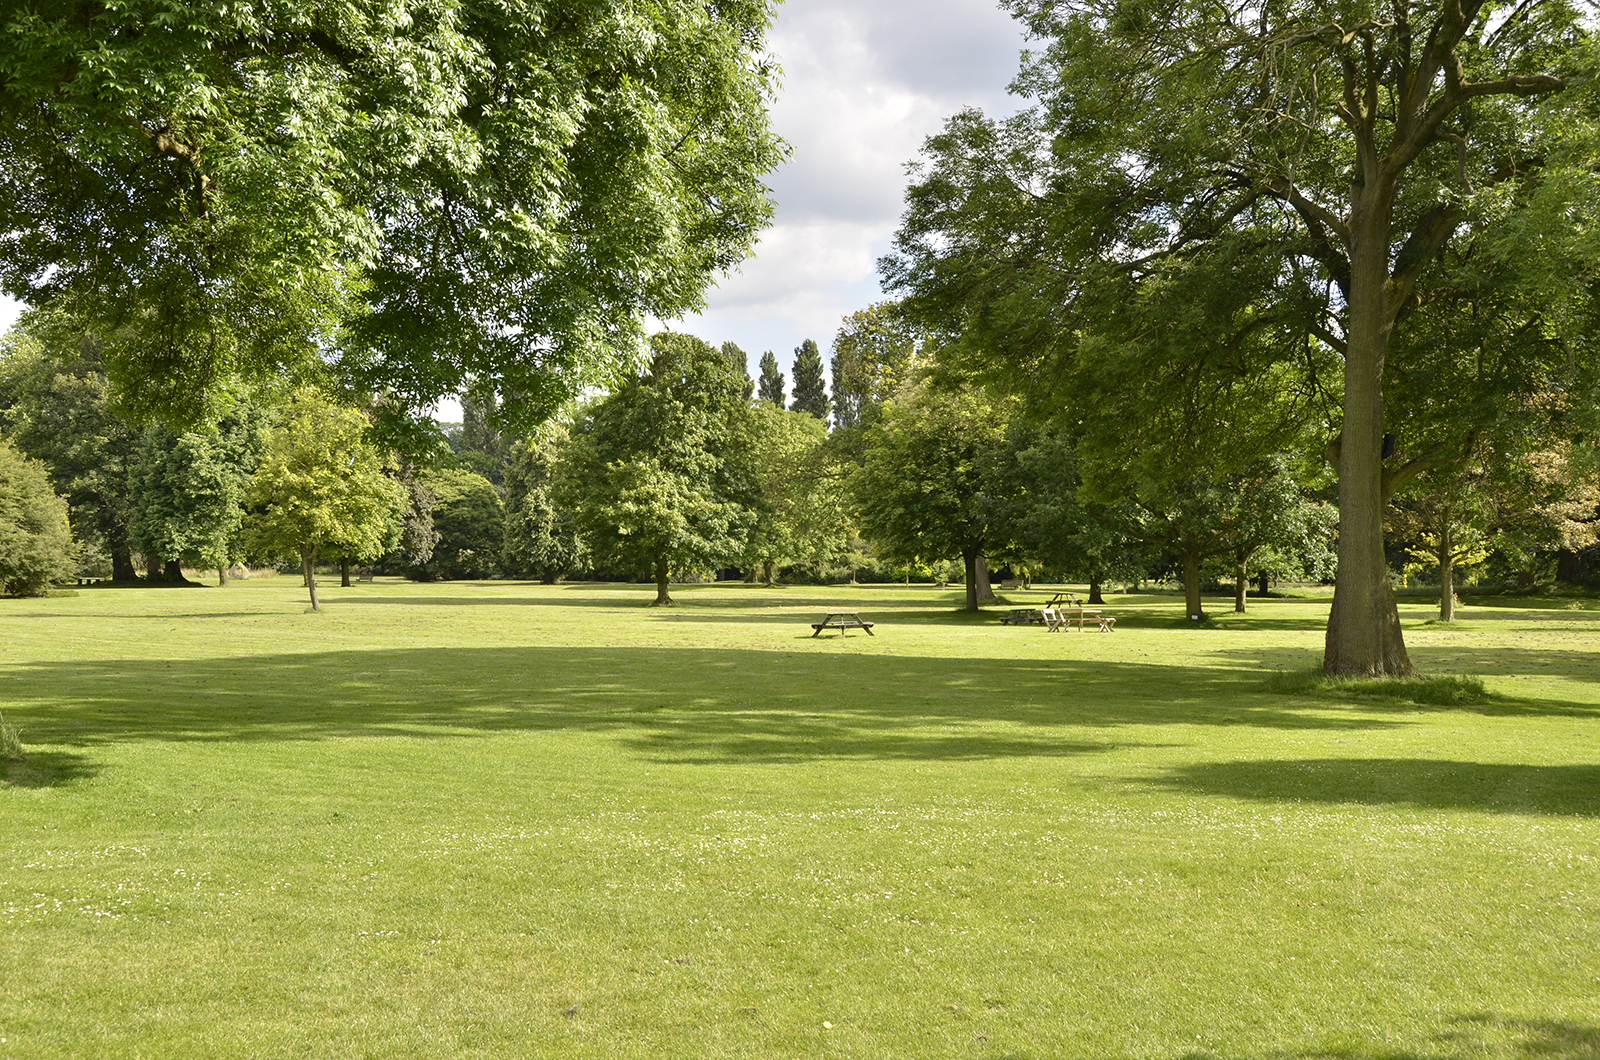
864,85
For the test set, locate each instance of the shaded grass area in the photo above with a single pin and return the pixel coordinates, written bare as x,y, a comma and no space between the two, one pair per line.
1449,690
512,820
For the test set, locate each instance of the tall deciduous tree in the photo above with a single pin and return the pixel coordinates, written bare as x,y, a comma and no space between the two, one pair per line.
798,504
810,392
58,410
924,490
872,354
1352,145
539,539
653,473
508,187
321,484
187,489
771,384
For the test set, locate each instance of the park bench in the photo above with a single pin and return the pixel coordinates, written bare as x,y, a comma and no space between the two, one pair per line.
841,621
1023,616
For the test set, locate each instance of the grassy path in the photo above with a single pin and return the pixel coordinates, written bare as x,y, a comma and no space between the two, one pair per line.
501,819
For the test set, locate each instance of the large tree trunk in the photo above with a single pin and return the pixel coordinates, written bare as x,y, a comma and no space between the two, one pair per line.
122,568
1094,590
1241,583
174,571
663,598
1569,566
344,572
766,571
153,568
985,590
1191,586
222,575
969,558
1447,576
1262,584
1364,624
308,569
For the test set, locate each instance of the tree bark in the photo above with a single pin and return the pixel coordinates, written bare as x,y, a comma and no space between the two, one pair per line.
1447,576
766,571
153,568
1241,583
308,570
1364,634
969,557
1262,584
222,576
344,572
122,568
174,571
1094,590
663,598
985,590
1191,586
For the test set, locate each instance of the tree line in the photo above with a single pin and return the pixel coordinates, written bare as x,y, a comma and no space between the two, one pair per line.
1352,248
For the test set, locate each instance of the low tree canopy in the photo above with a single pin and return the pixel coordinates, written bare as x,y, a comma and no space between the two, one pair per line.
36,546
320,485
799,504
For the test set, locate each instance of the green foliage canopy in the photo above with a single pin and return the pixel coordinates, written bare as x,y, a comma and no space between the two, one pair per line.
810,392
925,488
57,409
36,546
653,473
321,485
463,190
1316,160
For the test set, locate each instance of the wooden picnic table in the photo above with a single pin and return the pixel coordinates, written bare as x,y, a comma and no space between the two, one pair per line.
841,621
1058,618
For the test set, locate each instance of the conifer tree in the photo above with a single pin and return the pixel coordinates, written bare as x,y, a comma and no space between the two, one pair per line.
810,394
741,366
771,386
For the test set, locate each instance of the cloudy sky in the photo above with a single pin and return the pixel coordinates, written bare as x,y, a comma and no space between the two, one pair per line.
865,81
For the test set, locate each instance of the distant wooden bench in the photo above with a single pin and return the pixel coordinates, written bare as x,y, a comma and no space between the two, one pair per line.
1023,616
841,621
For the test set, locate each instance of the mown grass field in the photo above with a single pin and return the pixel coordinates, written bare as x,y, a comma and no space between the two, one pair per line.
504,820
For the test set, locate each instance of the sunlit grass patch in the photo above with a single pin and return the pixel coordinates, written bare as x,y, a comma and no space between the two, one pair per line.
500,819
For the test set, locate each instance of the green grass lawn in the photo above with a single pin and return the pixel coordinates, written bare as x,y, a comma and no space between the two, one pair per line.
501,819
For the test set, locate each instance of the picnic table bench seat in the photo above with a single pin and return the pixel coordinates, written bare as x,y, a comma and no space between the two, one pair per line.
842,621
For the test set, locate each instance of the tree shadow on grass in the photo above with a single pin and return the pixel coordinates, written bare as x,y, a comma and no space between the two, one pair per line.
1484,1035
684,703
47,769
1443,662
1494,787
